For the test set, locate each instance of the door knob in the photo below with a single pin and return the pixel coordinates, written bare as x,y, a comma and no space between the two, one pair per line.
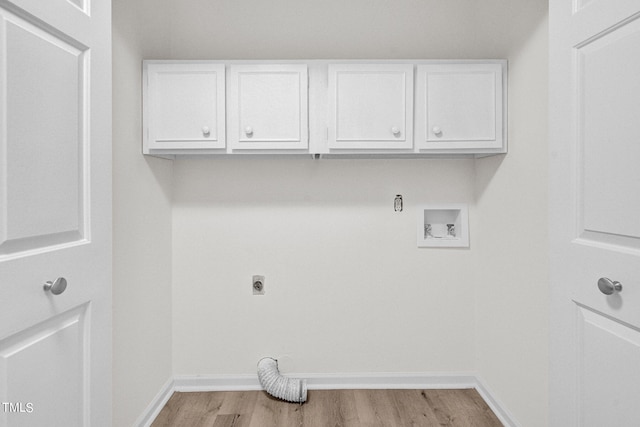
248,130
437,131
608,286
57,286
395,131
205,130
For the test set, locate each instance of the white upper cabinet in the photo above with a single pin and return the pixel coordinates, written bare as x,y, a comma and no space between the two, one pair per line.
370,106
402,109
184,106
459,107
268,108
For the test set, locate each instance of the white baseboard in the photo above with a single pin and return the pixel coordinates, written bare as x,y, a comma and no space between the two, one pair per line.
187,383
156,405
329,381
496,406
216,382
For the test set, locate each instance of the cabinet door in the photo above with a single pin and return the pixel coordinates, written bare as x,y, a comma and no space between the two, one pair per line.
370,106
268,107
459,106
184,106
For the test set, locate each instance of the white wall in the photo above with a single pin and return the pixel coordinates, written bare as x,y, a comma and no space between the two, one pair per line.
141,225
347,290
338,29
512,274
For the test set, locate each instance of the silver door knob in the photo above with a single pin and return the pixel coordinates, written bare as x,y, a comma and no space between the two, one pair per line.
56,287
608,286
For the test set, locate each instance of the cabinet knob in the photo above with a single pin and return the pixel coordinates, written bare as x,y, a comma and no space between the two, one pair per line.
395,131
437,131
205,130
248,130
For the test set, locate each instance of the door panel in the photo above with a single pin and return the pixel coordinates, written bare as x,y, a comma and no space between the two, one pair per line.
42,189
608,137
186,103
280,91
362,99
609,385
55,350
462,105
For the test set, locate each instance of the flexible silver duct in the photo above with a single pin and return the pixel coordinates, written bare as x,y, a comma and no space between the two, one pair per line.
289,389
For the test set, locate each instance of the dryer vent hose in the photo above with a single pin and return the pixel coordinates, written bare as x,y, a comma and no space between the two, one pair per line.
289,389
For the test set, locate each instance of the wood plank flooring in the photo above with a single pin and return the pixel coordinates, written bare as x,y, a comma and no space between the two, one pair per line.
329,408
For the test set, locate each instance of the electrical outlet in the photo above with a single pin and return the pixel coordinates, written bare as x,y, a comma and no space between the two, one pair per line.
257,284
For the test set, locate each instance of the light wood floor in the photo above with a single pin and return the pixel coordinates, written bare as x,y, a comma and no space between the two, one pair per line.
329,408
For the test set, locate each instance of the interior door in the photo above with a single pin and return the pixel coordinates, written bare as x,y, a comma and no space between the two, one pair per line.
595,212
55,213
